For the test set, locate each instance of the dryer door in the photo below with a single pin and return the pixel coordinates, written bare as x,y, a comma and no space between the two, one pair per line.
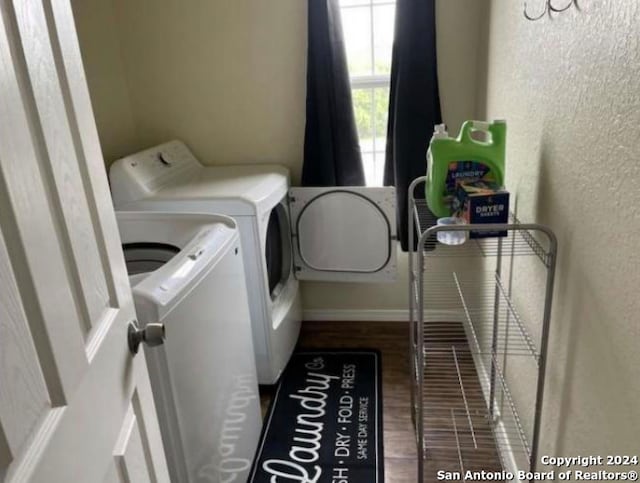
344,233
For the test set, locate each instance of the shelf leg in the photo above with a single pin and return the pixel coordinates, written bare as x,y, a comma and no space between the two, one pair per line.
551,270
420,368
494,334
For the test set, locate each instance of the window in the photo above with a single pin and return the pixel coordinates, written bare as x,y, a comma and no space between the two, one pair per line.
368,34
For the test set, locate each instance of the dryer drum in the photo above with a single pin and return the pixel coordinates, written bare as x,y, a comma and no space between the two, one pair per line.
277,250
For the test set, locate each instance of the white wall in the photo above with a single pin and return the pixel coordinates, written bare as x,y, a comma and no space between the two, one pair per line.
459,25
104,68
569,87
226,77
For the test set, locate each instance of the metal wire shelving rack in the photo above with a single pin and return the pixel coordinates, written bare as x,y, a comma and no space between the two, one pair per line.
480,315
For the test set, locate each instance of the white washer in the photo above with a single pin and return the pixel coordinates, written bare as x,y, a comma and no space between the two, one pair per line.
187,272
334,234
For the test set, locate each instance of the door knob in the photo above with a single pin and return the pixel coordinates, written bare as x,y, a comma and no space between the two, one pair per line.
152,335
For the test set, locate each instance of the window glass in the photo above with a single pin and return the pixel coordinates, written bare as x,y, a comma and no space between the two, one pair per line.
371,109
363,109
381,112
356,26
351,3
368,34
383,22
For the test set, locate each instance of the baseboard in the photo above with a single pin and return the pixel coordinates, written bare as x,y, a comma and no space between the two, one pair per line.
329,315
367,315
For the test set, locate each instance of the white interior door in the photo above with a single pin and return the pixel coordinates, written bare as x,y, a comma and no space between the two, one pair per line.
75,406
344,233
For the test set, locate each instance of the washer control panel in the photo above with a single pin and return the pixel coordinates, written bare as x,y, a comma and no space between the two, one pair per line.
139,175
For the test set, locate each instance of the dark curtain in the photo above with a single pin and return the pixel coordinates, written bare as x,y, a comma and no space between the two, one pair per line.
414,102
331,148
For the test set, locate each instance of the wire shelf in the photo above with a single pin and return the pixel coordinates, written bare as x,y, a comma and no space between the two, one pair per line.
469,337
481,303
519,241
454,395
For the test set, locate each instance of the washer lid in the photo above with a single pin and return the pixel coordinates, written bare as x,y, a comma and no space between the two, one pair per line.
164,228
167,286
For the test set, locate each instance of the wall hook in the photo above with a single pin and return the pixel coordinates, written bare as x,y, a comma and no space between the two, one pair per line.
553,9
547,5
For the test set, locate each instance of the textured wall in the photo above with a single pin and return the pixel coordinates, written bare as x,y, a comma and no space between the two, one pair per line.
459,25
569,87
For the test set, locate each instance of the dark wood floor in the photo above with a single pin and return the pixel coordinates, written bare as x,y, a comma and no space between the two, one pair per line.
392,340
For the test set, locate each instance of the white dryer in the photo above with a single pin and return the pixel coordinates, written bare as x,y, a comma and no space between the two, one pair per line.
187,273
288,234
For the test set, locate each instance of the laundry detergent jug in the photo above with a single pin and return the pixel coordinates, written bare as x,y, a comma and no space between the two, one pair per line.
465,158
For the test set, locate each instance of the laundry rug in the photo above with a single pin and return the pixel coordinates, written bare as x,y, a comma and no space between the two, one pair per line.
325,421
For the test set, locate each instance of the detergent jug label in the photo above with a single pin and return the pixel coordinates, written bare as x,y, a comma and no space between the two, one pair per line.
465,171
